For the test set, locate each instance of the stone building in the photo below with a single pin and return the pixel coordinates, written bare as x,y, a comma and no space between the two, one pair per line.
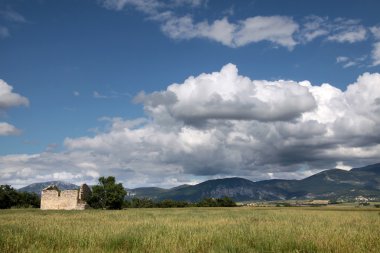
54,199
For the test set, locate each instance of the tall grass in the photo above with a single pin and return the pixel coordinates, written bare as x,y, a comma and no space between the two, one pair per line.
191,230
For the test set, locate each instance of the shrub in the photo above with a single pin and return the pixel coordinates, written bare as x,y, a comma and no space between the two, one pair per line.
9,197
107,194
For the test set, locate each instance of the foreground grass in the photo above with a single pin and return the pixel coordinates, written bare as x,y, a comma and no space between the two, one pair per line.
191,230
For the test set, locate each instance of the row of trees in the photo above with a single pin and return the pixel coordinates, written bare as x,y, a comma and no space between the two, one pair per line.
9,197
206,202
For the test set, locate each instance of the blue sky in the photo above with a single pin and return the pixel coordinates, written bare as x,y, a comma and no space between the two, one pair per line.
78,67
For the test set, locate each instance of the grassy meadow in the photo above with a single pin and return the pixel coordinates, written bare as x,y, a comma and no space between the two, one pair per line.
243,229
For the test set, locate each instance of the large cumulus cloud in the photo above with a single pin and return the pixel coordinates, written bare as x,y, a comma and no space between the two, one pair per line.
226,95
223,124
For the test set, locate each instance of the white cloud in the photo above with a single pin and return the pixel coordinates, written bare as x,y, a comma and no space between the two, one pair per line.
276,29
222,124
114,4
279,30
347,62
202,127
344,30
353,35
375,32
96,94
93,174
76,93
193,3
10,99
340,165
226,95
339,30
109,95
376,54
185,28
341,59
8,129
145,6
62,176
87,165
312,28
376,46
151,7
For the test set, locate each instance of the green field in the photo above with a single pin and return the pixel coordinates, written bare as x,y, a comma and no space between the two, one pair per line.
241,229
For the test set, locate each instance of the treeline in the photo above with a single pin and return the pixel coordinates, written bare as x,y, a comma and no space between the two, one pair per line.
9,197
168,203
107,194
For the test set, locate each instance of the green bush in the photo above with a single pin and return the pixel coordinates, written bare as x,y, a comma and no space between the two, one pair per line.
9,197
107,194
218,202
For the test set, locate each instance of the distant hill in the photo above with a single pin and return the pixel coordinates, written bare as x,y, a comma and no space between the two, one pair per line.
145,192
37,187
237,188
328,184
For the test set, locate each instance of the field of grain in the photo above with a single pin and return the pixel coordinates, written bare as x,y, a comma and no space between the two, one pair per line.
192,230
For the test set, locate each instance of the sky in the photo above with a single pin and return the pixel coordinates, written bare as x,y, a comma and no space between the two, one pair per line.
170,92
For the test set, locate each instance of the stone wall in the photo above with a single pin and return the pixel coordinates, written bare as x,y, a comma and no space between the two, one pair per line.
84,192
53,199
49,199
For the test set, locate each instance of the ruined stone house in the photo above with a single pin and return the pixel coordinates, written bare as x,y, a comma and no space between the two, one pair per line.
54,199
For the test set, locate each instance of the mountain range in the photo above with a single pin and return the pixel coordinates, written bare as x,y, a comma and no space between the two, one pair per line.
333,184
37,187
